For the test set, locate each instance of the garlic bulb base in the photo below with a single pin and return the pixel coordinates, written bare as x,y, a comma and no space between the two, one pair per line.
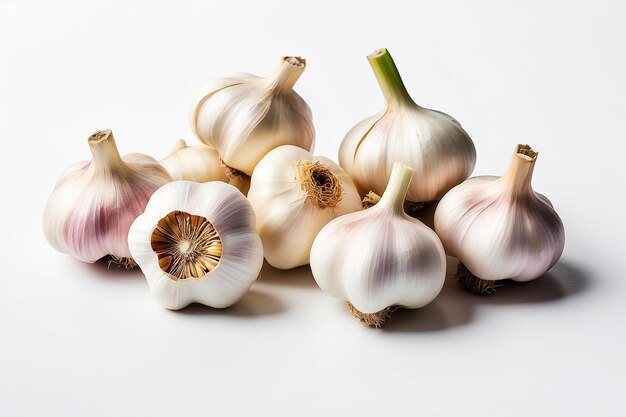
122,262
372,319
475,285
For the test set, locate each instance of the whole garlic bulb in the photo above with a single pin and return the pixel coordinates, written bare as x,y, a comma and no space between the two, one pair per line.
244,117
380,258
499,227
95,202
196,242
432,143
201,163
294,194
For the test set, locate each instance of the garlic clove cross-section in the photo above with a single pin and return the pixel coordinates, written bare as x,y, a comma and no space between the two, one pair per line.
201,163
196,242
95,202
294,194
499,227
380,258
434,144
244,116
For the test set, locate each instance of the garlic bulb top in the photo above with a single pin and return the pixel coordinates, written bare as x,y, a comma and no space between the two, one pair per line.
244,117
201,163
499,227
434,144
95,202
380,257
294,194
196,242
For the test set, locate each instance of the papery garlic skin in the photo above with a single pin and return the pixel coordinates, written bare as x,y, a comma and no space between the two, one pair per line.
380,257
95,202
499,227
434,144
224,262
244,117
201,163
288,214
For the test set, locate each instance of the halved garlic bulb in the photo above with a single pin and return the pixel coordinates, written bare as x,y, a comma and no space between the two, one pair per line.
201,163
499,227
294,194
244,116
434,144
380,258
196,242
95,202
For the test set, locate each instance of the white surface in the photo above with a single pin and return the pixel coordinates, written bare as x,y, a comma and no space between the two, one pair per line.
82,340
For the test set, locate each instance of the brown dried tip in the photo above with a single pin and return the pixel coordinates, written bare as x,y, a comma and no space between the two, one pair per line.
371,319
370,200
475,285
322,187
126,263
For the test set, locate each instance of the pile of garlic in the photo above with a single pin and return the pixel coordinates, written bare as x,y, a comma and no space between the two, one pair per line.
200,222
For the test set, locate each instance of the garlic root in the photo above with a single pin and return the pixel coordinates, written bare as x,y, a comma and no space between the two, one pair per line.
372,319
475,285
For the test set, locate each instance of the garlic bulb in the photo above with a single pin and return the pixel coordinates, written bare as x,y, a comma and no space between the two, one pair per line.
434,144
201,163
244,117
499,228
196,242
294,194
95,202
380,258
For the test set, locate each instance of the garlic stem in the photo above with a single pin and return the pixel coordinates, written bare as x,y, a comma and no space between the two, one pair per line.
180,144
518,177
106,157
389,78
287,73
397,187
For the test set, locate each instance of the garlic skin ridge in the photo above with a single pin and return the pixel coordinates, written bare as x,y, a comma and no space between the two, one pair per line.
244,116
434,144
380,257
201,163
196,242
94,202
294,194
499,227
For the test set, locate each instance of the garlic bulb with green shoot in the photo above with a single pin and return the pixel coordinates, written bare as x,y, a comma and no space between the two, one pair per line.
434,144
244,116
201,163
196,242
294,194
380,258
499,227
95,202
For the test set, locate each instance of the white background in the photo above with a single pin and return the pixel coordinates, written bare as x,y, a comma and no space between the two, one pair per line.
84,340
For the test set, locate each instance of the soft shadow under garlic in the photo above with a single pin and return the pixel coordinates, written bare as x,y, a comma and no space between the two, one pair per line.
253,303
300,277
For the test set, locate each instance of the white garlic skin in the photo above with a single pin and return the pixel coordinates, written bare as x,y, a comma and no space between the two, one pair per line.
201,163
434,144
244,116
233,218
95,202
287,220
499,227
380,257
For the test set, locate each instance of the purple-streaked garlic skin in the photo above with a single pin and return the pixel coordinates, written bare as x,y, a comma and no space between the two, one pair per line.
499,227
95,202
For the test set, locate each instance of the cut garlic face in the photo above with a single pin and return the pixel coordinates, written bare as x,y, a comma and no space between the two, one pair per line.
197,243
244,117
499,227
94,203
434,144
201,163
380,257
294,194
